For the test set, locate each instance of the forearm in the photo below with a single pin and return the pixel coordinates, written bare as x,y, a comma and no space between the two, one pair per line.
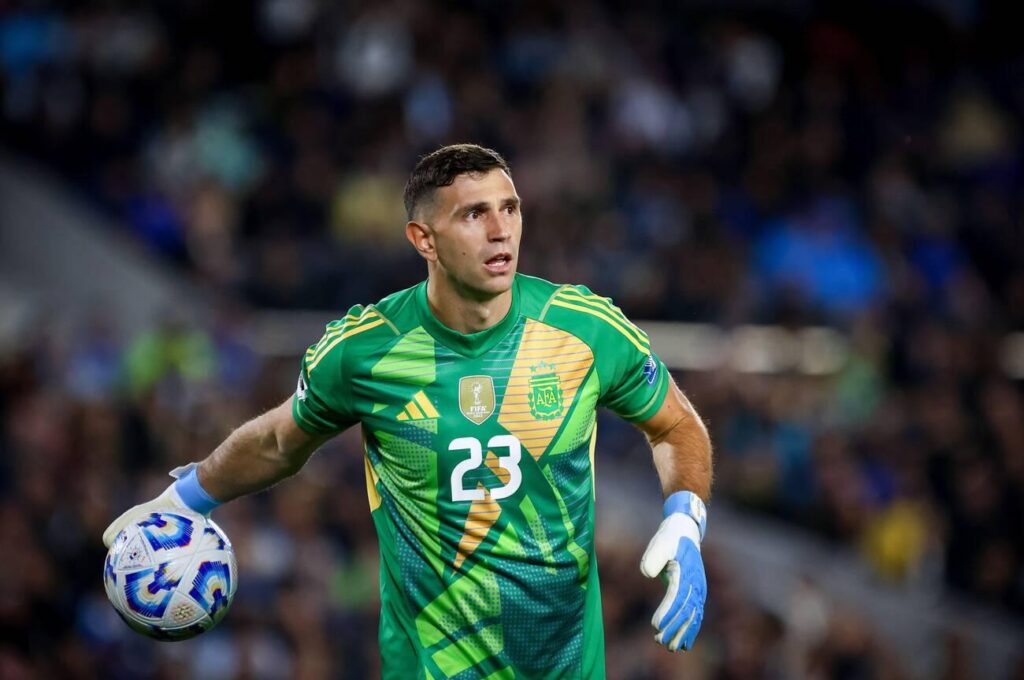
255,456
682,452
682,456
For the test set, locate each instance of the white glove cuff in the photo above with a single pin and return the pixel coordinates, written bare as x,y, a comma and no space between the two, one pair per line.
689,504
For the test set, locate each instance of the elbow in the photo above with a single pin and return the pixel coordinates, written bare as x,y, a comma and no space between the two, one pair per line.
290,459
688,431
290,467
291,446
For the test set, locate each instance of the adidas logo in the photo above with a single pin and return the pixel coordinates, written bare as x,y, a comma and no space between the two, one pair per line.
419,408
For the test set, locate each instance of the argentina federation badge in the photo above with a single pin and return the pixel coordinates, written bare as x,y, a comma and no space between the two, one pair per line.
545,394
476,397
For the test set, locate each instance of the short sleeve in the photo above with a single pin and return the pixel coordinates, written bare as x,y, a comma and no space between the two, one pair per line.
634,381
640,387
322,403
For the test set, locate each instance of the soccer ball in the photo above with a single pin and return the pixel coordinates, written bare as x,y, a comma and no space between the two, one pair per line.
171,575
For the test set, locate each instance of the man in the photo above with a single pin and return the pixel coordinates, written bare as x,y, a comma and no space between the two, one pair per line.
476,391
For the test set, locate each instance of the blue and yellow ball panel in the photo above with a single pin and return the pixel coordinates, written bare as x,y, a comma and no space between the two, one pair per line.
148,591
108,570
213,539
211,586
165,530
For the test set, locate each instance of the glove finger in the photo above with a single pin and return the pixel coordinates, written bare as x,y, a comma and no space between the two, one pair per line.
182,470
679,618
681,628
116,527
670,603
660,550
689,633
168,500
692,572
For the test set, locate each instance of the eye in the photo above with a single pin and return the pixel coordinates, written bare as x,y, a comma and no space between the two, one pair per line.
473,214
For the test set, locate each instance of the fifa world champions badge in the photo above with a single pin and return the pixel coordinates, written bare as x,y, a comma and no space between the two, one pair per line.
545,394
476,397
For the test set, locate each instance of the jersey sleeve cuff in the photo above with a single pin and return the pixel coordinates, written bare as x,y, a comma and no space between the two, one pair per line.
655,402
308,422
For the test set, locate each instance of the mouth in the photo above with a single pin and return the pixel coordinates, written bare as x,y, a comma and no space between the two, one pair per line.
499,264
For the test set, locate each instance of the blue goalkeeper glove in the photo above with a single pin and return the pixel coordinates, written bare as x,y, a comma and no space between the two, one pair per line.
183,494
675,550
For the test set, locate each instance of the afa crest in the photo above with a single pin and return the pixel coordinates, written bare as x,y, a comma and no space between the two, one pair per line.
545,394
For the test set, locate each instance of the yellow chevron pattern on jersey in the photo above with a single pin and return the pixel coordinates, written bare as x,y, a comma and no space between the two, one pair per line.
560,353
418,408
372,495
491,461
602,308
349,326
482,513
482,516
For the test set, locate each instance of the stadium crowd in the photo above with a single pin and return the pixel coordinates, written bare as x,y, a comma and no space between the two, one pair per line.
785,167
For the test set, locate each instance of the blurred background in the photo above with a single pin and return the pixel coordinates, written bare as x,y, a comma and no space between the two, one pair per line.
816,211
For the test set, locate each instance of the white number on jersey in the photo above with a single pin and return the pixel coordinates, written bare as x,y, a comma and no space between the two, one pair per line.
476,459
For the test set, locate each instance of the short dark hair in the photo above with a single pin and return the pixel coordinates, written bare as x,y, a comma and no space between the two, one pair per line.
440,168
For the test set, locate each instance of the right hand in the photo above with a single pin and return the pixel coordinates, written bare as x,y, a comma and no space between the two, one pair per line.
170,499
675,551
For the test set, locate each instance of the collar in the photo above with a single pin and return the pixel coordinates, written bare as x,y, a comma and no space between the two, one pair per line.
467,344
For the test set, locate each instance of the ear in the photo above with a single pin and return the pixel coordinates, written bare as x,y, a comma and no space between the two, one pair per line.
421,236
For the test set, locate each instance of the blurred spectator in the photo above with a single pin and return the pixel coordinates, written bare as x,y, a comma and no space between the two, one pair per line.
787,164
173,352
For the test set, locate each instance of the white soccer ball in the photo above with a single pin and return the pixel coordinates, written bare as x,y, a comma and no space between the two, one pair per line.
171,575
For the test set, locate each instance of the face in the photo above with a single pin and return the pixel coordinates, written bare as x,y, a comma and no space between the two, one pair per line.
471,233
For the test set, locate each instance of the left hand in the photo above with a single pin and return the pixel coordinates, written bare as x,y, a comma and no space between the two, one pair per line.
675,549
171,500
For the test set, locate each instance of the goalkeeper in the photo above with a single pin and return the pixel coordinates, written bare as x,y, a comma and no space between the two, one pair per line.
476,393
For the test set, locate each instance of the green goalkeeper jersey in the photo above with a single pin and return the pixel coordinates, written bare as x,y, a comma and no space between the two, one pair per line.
480,471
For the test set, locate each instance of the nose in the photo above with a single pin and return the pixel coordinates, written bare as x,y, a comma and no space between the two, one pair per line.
499,229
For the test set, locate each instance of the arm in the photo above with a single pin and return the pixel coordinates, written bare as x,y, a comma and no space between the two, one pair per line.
682,456
680,445
257,455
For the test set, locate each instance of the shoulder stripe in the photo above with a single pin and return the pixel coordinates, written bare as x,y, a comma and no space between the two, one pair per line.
392,326
351,317
605,304
347,323
551,299
347,334
326,338
335,327
643,346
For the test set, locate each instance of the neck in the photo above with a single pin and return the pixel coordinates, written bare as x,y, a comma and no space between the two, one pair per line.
459,310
